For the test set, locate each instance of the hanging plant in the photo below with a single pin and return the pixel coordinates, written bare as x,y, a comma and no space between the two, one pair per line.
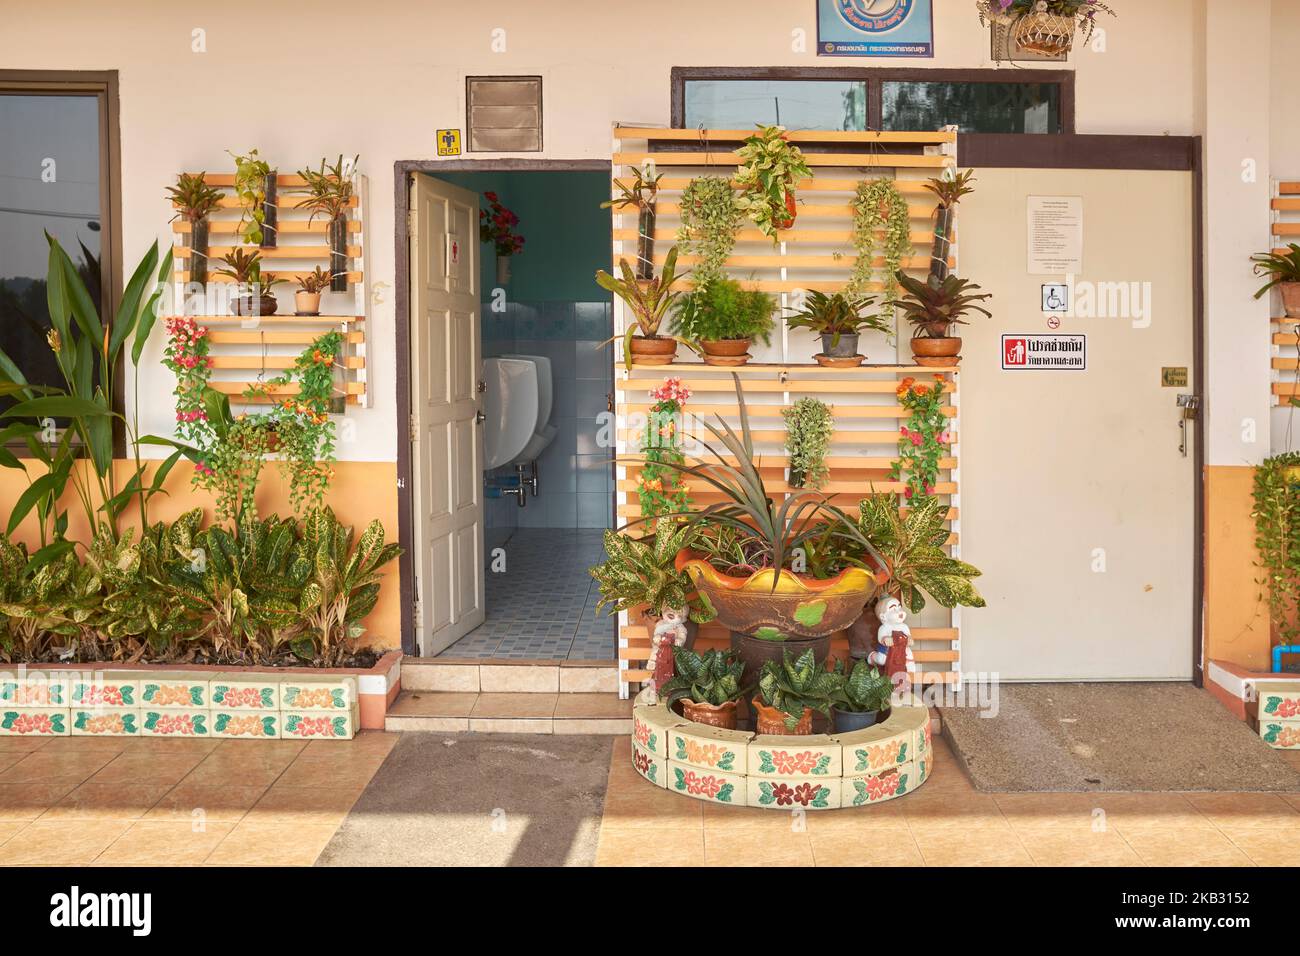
660,487
808,426
254,187
710,218
923,439
1043,27
1277,539
881,227
769,168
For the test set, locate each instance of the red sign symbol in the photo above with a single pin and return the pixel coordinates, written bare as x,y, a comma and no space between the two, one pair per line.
1015,352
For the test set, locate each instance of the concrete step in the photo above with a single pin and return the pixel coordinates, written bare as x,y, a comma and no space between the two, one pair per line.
509,677
508,713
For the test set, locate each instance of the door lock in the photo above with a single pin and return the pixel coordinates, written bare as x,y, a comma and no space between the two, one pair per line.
1191,410
479,417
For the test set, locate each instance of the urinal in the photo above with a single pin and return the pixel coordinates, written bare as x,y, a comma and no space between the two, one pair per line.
545,432
510,406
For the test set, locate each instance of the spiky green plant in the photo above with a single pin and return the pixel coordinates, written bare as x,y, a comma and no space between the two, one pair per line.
709,678
640,572
912,546
934,308
862,690
1279,267
649,299
793,686
838,314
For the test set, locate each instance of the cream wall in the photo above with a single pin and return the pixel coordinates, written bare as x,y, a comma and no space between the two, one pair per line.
403,67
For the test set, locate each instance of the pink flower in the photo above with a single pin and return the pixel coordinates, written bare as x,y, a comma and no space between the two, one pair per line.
907,492
916,439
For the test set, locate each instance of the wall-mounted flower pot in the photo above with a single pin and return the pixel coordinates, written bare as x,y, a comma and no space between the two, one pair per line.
660,350
715,715
1046,34
306,303
769,720
198,246
943,219
847,347
645,243
726,352
254,305
1290,299
503,269
936,352
270,213
339,254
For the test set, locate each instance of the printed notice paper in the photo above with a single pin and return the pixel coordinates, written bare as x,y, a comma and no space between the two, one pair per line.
1055,235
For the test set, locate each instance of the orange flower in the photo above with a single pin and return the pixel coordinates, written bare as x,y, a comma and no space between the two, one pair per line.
919,390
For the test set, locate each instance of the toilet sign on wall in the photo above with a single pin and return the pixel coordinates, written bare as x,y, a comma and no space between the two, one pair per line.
1044,353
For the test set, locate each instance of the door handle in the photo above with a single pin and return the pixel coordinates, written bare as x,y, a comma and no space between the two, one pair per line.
479,417
1190,405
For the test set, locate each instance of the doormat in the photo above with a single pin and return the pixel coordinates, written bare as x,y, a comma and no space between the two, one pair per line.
1113,737
479,800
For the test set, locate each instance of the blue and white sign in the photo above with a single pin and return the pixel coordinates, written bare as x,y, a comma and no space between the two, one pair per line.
875,28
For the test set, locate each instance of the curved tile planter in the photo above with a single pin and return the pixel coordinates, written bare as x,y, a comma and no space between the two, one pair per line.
817,772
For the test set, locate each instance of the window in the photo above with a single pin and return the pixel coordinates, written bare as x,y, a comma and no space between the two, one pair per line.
55,176
504,113
975,101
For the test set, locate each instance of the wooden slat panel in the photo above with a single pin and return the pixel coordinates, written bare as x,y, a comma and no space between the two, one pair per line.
1286,338
639,635
284,202
758,411
1289,188
1284,205
291,319
212,277
1286,228
637,386
238,388
799,235
671,184
801,262
917,210
794,136
221,337
279,252
273,362
227,180
841,160
841,437
775,368
283,227
701,494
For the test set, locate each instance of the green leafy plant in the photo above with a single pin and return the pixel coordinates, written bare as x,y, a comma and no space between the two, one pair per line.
770,166
1280,268
193,198
1277,540
246,269
640,572
648,299
924,438
709,678
913,549
838,314
794,686
710,218
35,601
722,310
314,282
881,227
250,188
863,690
640,194
341,584
808,430
329,188
660,490
934,310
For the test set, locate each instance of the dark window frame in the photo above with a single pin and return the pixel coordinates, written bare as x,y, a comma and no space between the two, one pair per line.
103,85
874,77
541,112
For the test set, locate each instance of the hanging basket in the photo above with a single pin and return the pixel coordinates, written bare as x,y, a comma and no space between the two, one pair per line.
1047,34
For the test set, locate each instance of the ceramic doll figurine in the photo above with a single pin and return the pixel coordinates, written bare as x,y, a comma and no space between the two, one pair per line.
669,632
893,653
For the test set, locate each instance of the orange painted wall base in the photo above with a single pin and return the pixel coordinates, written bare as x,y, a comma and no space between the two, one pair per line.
1236,618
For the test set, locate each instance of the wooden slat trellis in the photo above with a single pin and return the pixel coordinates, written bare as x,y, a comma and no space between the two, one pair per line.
816,254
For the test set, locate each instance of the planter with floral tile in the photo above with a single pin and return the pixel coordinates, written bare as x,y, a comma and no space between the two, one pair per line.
813,772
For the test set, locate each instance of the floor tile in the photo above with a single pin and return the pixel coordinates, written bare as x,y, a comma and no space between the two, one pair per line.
1048,847
48,767
1186,848
423,703
269,844
169,768
125,800
670,848
867,849
974,847
164,843
297,805
1247,810
27,801
212,802
61,842
592,705
515,705
775,849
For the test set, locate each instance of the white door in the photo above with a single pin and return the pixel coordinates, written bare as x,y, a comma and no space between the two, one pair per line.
446,440
1077,502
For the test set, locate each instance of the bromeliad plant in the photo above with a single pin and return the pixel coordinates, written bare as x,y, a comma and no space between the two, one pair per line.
194,200
1283,272
641,572
648,299
770,166
836,315
934,310
881,227
660,489
923,438
640,195
949,192
710,217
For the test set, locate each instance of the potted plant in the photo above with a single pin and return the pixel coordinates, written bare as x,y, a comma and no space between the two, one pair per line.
497,227
788,693
710,218
934,309
723,319
808,429
882,227
860,697
912,545
838,318
949,193
329,194
1277,542
769,168
640,195
1283,271
1043,27
306,301
194,199
255,186
649,301
641,573
707,685
253,286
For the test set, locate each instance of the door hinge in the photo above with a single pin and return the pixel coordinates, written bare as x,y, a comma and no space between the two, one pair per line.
410,223
412,428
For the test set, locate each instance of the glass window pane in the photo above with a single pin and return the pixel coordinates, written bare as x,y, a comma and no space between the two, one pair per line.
49,182
794,104
972,107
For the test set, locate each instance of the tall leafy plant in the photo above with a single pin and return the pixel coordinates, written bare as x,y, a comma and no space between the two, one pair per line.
881,227
648,299
710,218
250,188
1277,541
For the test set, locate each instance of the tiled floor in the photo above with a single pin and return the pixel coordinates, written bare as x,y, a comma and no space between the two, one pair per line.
170,802
948,823
543,605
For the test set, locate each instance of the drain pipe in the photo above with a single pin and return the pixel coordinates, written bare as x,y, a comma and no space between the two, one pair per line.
506,486
531,480
1279,651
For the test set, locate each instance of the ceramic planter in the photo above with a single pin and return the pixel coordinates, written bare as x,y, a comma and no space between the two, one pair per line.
726,351
660,350
847,347
768,721
503,269
845,721
338,236
1290,299
796,605
198,246
936,352
306,303
270,213
253,305
715,715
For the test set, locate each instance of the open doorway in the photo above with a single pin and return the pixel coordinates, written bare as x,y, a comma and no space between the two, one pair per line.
500,569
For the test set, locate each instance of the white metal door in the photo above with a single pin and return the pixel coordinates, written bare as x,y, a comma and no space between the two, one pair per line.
1077,502
445,436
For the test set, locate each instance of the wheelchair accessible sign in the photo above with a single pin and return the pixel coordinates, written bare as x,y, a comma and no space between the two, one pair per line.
875,28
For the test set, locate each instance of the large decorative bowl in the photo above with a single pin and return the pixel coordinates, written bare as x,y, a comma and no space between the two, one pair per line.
799,606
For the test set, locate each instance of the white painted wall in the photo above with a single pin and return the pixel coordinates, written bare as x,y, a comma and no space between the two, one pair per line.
267,79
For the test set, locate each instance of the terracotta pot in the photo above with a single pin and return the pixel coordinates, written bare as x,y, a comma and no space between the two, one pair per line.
660,350
936,353
1291,299
306,303
769,720
726,351
719,715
